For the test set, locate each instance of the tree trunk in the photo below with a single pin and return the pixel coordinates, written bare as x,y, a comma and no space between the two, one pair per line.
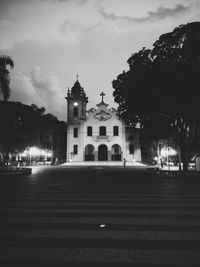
185,164
179,157
156,149
184,159
186,141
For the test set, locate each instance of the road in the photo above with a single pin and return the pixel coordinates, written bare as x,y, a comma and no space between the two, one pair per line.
61,216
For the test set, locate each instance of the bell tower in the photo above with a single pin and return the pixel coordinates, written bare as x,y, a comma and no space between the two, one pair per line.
76,103
76,116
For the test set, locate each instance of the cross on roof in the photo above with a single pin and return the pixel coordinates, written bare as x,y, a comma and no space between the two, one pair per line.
102,95
77,76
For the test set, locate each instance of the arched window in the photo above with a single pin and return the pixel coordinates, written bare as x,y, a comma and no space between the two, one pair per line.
131,149
116,152
89,153
89,149
75,150
102,130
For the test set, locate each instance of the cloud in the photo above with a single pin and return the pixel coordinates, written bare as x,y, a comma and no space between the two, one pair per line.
69,26
33,88
39,22
163,12
160,14
75,29
66,1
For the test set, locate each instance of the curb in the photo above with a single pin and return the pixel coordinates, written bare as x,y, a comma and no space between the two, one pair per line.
15,171
168,173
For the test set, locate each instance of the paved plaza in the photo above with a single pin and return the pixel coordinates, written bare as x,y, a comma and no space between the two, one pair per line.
99,216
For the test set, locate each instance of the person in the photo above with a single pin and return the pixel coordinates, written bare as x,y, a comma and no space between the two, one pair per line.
124,163
161,163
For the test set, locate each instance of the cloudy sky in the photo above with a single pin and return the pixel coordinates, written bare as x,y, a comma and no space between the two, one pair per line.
51,41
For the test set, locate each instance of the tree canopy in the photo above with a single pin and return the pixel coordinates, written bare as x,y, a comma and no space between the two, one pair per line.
162,83
24,126
5,62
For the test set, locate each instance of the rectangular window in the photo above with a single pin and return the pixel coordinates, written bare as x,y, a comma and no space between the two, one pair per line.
75,112
75,132
89,131
102,131
75,150
115,130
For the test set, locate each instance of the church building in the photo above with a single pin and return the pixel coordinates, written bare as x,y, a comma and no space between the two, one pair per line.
97,134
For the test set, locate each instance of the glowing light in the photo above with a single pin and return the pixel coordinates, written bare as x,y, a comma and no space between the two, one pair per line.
42,152
24,154
168,151
49,154
34,151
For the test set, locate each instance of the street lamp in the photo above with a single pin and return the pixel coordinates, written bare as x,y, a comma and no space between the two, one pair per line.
166,152
30,152
33,151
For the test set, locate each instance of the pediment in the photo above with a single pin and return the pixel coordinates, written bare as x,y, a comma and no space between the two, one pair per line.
102,115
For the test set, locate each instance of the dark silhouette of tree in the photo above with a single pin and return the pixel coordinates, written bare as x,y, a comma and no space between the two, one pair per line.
163,83
25,126
5,62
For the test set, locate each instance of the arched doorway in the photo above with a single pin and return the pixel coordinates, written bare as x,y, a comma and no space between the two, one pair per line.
89,153
102,153
116,152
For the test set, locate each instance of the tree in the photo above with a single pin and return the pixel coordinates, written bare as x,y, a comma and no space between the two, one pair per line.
5,61
163,83
25,126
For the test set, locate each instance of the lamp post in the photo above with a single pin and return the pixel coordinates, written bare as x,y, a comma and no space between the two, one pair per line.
30,158
28,154
168,156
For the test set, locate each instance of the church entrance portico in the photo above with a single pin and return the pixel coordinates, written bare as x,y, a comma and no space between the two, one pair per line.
102,153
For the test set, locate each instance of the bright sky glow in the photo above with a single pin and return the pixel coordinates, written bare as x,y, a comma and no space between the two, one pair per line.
51,41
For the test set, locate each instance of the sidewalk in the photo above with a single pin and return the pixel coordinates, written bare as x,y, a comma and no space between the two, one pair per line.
173,171
103,163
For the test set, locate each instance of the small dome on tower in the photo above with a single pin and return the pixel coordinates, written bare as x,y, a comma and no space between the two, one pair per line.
77,92
77,89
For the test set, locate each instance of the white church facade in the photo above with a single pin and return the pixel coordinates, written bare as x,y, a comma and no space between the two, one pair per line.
97,134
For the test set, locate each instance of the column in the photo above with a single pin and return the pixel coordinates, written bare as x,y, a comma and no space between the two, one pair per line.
95,155
109,155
